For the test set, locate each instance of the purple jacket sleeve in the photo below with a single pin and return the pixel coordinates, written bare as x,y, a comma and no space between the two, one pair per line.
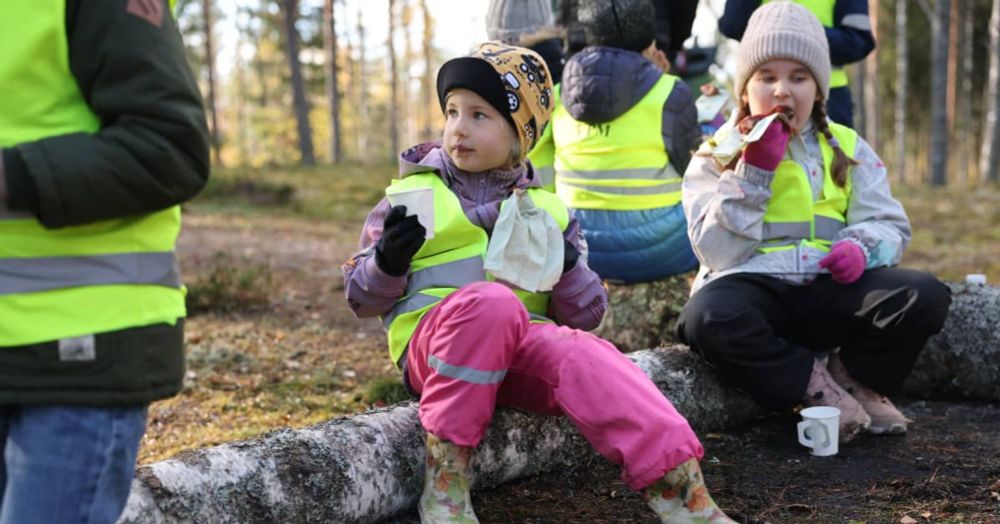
370,291
579,298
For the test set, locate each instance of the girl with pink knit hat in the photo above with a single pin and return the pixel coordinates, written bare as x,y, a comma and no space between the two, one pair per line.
472,328
799,300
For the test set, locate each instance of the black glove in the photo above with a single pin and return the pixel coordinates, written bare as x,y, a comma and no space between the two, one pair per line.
402,237
570,255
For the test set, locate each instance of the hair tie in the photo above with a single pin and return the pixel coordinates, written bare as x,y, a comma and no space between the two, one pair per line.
833,142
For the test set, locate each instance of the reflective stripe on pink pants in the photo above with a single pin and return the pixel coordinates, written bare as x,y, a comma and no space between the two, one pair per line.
477,349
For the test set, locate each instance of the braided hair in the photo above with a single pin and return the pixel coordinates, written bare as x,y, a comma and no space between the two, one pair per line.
841,162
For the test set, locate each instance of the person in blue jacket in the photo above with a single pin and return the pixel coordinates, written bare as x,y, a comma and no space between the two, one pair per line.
848,32
623,134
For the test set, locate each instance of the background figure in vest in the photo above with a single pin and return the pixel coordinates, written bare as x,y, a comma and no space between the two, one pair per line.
103,134
623,135
466,342
798,238
529,23
848,32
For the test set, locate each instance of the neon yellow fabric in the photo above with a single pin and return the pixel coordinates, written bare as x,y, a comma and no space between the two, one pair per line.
792,197
543,155
823,9
611,153
456,238
41,99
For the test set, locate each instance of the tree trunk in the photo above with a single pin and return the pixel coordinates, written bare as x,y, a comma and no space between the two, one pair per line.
393,84
206,8
990,153
870,100
428,100
332,77
366,467
902,86
940,131
407,125
290,13
363,128
963,109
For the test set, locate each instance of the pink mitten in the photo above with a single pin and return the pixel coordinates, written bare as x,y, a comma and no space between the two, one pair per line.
846,262
767,152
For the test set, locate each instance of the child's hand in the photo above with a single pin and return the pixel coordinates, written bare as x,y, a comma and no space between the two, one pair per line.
846,262
767,152
570,256
401,238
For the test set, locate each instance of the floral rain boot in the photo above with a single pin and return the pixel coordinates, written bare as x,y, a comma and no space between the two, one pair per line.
446,484
823,390
886,419
680,497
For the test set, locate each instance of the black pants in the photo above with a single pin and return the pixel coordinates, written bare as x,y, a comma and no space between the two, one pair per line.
763,334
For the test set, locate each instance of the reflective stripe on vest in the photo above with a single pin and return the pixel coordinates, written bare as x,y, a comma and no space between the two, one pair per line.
823,9
793,217
542,156
617,165
452,259
78,280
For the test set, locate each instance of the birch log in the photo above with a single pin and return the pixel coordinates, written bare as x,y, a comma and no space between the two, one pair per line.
367,467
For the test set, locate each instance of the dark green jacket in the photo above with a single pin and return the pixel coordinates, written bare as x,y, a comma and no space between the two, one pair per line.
151,153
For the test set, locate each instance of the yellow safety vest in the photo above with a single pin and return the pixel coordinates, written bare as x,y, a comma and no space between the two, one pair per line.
792,217
543,155
617,165
80,280
823,9
453,259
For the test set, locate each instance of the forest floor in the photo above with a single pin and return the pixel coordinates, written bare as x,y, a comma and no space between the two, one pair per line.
271,343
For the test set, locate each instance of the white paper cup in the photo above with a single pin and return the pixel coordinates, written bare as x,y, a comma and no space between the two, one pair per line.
976,278
819,430
419,202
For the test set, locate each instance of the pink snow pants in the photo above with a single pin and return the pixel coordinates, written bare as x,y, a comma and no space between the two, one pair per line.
477,349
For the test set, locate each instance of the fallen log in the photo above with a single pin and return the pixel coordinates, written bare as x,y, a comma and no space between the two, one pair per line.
369,466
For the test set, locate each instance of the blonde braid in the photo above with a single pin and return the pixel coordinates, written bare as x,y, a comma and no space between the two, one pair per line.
841,162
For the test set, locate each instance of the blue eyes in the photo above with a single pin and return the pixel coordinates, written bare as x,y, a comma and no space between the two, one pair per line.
478,115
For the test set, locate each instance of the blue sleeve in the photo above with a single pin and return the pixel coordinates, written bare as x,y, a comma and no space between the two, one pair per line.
680,129
735,16
851,37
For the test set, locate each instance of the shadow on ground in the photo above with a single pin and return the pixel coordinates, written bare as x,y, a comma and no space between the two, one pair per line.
947,469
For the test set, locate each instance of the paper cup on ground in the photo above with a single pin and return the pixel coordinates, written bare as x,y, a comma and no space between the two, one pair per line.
419,202
819,430
976,278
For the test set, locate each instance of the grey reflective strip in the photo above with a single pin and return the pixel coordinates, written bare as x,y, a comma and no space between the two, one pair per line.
474,376
827,228
25,275
451,274
547,175
646,173
661,189
408,304
780,230
779,243
857,21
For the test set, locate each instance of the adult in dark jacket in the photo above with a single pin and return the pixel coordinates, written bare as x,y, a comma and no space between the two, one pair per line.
848,32
623,135
103,134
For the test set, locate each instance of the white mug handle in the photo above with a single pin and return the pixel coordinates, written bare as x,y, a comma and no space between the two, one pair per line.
810,442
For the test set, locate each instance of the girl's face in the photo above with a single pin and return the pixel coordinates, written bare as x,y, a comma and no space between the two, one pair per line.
782,83
476,136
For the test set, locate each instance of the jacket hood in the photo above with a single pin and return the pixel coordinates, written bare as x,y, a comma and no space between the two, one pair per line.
430,156
601,83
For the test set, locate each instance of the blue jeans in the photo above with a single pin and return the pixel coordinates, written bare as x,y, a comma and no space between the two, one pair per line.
66,464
